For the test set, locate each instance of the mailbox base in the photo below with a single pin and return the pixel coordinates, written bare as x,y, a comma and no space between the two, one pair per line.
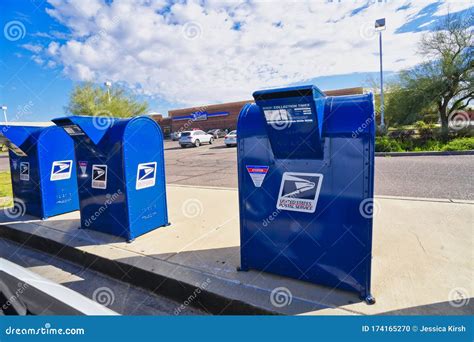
368,298
44,217
242,269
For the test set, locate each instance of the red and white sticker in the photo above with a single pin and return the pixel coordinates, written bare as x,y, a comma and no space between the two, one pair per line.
257,173
83,167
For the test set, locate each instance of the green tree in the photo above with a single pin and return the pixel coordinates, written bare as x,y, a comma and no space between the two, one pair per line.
90,99
393,101
404,107
444,80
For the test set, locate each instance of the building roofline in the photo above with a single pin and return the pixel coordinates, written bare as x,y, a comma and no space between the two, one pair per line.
208,108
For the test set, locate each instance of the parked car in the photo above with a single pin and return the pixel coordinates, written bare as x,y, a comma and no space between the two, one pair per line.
175,136
231,139
217,133
195,138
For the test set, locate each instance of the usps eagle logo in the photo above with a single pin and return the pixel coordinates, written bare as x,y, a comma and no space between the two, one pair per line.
299,191
146,175
99,176
61,170
24,171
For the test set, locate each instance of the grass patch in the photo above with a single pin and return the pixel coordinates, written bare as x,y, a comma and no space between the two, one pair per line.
6,194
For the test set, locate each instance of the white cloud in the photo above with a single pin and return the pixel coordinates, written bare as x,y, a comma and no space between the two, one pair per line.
51,64
213,51
37,59
53,48
32,47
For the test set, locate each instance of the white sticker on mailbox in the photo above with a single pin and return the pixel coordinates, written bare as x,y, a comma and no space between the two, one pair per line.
146,175
25,171
61,170
299,191
99,176
73,130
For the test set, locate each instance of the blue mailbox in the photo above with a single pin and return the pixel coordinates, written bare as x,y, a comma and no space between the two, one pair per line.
42,170
306,179
120,174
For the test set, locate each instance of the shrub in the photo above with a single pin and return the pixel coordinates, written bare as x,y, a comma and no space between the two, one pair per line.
425,131
430,145
463,133
402,135
408,145
431,118
460,144
385,144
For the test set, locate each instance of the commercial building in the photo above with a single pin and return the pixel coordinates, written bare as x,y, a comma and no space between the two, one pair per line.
222,115
165,123
206,117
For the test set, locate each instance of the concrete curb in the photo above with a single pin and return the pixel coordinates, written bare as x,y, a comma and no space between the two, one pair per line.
425,153
423,199
202,187
169,287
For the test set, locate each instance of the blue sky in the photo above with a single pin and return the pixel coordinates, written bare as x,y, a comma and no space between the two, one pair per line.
177,54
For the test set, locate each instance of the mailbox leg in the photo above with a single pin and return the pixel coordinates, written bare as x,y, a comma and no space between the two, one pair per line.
369,299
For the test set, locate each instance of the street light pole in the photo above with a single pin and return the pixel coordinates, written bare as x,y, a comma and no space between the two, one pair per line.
380,26
4,108
382,105
108,84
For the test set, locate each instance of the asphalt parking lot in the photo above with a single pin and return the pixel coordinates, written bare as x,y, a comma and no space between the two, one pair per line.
207,165
448,177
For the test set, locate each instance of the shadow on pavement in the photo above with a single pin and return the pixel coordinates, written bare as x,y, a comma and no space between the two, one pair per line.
219,147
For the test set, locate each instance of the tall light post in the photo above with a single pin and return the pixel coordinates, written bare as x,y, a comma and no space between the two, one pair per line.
108,84
380,26
4,108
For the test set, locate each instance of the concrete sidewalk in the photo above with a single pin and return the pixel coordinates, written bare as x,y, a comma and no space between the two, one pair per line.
422,257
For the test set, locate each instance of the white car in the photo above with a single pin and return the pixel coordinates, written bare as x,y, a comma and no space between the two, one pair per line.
195,138
231,139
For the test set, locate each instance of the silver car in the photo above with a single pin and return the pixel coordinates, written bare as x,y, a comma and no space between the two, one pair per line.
195,138
175,136
231,139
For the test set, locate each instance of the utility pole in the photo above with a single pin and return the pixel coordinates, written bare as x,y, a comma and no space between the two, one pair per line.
380,26
108,84
4,108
